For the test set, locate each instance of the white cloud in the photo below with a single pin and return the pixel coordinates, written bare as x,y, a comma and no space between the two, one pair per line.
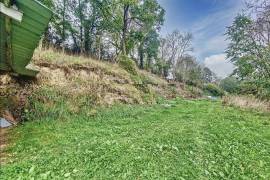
212,45
219,64
209,31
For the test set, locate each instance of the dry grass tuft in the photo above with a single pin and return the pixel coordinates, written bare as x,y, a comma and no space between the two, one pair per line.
78,78
107,82
247,102
103,79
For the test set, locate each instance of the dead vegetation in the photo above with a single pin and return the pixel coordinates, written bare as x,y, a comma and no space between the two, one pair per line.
101,79
82,80
247,102
106,83
13,97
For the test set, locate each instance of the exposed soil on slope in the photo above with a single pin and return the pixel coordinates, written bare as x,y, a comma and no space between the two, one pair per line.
105,82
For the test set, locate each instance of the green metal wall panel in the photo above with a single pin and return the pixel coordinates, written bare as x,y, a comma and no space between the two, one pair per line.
3,65
26,35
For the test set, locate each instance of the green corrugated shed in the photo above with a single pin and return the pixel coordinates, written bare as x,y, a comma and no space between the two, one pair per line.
3,64
25,36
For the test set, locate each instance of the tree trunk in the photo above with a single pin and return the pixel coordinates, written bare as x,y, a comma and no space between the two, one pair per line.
125,27
141,61
64,25
87,38
81,27
88,34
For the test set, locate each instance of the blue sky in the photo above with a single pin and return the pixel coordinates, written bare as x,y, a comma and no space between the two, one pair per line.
207,20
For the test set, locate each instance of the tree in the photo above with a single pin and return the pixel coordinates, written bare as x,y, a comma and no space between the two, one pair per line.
187,70
178,45
249,49
105,28
260,9
173,50
151,45
148,17
230,84
208,76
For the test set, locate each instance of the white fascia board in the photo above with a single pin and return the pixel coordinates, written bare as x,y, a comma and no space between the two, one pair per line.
10,12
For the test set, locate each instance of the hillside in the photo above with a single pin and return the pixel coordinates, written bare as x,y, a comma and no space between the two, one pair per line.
89,83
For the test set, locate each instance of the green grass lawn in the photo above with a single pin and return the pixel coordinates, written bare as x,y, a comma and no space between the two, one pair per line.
183,140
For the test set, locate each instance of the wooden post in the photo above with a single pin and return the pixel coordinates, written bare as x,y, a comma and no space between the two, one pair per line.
8,29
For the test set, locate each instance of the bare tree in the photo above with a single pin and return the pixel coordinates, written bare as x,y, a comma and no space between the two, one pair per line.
187,69
178,44
173,49
259,10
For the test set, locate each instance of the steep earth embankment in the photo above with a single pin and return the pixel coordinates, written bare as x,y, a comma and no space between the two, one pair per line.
80,81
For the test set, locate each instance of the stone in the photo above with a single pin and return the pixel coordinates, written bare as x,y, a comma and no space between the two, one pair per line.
4,123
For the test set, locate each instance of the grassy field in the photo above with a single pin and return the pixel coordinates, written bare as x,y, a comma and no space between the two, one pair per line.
180,139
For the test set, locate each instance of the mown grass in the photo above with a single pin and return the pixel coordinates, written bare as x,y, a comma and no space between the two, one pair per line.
178,139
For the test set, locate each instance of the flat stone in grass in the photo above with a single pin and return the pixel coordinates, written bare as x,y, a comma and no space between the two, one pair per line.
4,123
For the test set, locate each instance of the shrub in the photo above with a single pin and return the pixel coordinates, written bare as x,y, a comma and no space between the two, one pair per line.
264,91
260,89
248,88
213,90
230,85
195,91
264,94
127,64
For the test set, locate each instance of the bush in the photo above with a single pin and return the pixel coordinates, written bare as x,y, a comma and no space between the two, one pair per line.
213,90
260,89
248,88
264,94
230,85
195,91
127,64
264,91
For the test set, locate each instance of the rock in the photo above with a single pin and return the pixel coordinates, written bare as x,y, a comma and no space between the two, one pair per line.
9,117
4,123
212,98
166,105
